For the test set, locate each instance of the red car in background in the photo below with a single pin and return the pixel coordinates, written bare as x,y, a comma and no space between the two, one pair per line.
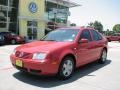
12,38
60,52
114,37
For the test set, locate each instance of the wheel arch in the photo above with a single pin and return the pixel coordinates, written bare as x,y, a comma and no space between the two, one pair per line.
62,60
69,55
105,48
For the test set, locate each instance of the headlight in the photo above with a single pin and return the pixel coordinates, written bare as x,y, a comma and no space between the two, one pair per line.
39,56
18,37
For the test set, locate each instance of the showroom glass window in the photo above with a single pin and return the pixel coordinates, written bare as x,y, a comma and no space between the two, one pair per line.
8,15
3,13
57,14
32,30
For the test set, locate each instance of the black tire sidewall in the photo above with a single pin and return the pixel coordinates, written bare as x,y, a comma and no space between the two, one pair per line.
60,73
101,61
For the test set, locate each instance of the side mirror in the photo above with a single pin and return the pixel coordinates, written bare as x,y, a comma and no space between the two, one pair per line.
84,41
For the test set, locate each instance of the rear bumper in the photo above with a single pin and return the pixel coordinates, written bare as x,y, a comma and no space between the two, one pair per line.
36,67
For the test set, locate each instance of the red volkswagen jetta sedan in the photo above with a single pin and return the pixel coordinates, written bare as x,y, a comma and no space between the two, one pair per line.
60,52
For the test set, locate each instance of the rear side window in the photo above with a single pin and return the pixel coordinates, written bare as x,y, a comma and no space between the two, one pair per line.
86,35
96,35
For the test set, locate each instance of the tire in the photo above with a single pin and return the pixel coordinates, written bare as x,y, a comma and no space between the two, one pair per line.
109,40
13,41
119,40
103,57
66,68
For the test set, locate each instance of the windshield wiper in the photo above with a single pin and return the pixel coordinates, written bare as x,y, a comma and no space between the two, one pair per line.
47,40
50,40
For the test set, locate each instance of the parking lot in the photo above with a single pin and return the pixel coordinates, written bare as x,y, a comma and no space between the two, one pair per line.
93,76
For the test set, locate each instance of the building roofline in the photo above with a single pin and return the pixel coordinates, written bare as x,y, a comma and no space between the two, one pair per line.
66,3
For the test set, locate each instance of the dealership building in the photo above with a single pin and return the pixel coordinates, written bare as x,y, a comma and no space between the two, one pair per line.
31,18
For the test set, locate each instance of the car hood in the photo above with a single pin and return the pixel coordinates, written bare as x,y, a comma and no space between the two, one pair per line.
42,46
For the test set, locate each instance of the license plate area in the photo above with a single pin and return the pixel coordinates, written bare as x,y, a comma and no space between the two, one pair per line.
19,63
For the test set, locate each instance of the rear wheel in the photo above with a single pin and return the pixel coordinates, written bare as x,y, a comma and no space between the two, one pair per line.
109,40
66,68
119,40
103,57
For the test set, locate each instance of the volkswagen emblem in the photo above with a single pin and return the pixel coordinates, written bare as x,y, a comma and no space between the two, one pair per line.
21,54
33,7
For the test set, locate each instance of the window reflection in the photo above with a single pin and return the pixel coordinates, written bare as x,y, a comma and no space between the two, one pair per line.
3,16
8,14
3,2
56,14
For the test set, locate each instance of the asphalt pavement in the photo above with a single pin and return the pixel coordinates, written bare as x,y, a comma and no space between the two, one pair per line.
93,76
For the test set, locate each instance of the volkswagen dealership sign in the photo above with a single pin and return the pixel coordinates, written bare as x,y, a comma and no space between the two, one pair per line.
33,7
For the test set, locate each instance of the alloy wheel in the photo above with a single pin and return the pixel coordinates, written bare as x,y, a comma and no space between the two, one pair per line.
66,68
13,41
103,57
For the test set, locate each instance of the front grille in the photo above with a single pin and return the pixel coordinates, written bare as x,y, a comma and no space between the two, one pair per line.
23,55
32,71
21,68
35,71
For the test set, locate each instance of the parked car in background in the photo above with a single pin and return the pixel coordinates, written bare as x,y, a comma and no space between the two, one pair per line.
60,52
12,38
2,40
114,37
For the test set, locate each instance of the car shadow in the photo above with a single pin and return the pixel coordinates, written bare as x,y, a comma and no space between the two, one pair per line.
50,81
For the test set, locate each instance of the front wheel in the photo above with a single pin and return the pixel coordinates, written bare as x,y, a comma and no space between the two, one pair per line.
66,68
13,41
103,57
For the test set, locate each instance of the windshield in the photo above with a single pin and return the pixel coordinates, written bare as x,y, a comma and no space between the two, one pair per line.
61,35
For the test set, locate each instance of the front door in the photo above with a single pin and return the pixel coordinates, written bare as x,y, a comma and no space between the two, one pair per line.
32,30
84,50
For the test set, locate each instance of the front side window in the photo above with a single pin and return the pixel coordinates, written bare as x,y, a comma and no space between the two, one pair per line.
63,35
86,35
96,36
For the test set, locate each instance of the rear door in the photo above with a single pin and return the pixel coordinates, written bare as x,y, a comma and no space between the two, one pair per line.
98,44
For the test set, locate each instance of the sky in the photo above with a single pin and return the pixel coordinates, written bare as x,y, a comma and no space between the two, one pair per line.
105,11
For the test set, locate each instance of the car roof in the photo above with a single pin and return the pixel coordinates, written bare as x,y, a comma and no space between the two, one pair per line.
78,28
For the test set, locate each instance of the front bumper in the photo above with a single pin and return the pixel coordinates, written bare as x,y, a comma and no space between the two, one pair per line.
45,67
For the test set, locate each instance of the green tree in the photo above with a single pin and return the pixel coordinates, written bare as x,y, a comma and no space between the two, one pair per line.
116,28
96,25
91,24
72,24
